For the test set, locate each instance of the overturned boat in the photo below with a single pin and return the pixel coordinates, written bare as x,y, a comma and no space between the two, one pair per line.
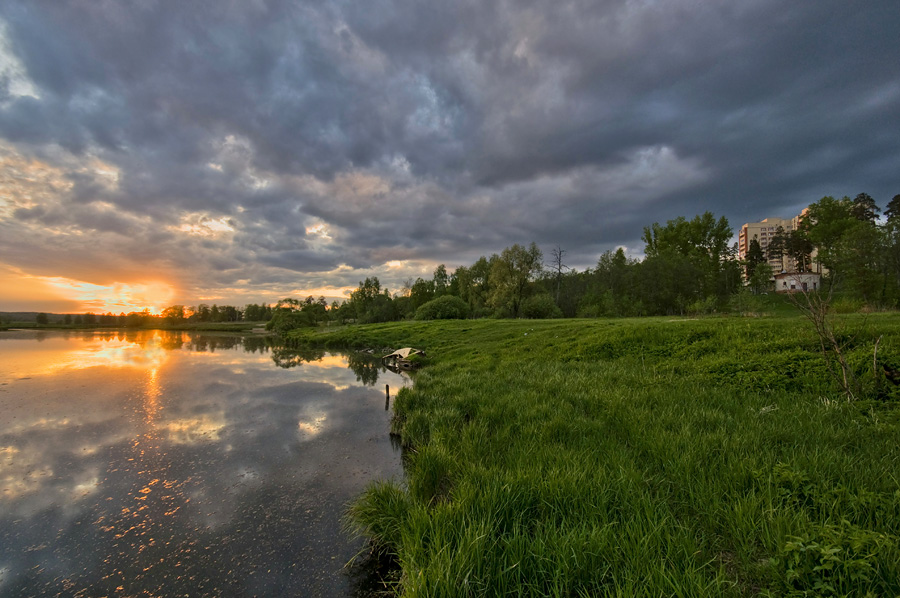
400,359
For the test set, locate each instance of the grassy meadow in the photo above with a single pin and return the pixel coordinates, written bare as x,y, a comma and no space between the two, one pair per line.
651,457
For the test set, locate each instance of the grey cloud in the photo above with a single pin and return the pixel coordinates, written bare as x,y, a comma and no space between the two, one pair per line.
303,261
488,123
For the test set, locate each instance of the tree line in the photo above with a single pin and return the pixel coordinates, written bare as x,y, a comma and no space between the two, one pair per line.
175,314
689,267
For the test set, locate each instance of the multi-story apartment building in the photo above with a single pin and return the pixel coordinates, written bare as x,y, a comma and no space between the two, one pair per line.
763,232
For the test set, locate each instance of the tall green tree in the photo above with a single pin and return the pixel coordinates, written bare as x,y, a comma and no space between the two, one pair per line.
703,241
794,245
473,283
511,276
824,226
612,291
755,257
669,283
892,246
257,312
864,208
759,280
854,248
371,303
420,293
892,211
441,281
858,258
173,314
799,249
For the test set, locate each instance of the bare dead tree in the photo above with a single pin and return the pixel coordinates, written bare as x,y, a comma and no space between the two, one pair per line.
814,306
558,265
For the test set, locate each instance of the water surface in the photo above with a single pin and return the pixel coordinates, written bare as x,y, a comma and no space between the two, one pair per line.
166,463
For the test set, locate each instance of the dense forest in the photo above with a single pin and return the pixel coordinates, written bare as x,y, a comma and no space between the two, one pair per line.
689,267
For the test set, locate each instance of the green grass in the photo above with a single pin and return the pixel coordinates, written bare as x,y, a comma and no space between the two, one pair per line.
654,457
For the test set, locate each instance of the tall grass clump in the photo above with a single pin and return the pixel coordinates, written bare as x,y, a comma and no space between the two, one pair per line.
655,457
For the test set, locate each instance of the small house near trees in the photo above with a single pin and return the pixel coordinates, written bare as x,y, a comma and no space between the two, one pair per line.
792,282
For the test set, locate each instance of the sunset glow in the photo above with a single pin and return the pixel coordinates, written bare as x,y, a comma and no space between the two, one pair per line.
360,151
117,298
144,352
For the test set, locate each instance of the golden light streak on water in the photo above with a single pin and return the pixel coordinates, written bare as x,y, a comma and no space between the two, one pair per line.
141,350
152,394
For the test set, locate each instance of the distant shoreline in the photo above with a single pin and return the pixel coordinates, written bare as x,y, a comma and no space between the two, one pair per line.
243,327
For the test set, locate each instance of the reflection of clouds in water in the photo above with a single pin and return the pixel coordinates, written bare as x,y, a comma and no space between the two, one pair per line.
247,474
329,362
203,428
22,472
310,427
113,354
193,456
237,363
24,360
85,485
45,423
116,354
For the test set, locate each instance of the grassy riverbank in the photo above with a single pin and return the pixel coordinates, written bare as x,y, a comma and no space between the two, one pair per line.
652,457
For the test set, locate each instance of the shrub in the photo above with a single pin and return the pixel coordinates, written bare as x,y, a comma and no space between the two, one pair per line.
540,307
446,307
833,560
702,306
284,320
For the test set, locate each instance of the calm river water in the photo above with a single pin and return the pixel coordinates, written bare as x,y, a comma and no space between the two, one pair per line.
179,464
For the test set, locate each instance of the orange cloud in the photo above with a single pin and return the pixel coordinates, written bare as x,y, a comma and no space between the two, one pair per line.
25,292
118,297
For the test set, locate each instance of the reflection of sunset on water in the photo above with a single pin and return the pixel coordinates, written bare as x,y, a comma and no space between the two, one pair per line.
141,351
162,462
152,393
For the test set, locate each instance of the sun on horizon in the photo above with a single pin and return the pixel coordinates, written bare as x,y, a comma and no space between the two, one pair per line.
119,297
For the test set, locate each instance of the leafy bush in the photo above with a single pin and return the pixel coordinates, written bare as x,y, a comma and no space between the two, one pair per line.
285,320
447,307
703,306
540,307
833,560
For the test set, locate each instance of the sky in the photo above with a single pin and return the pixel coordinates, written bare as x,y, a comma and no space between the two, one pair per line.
235,151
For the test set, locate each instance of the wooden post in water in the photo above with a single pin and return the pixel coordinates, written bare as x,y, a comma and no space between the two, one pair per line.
387,396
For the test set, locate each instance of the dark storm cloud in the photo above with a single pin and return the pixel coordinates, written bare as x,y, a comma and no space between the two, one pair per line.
355,134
